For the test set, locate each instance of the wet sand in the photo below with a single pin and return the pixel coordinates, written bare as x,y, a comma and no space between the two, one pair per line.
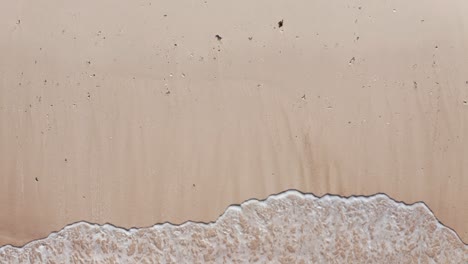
136,113
286,228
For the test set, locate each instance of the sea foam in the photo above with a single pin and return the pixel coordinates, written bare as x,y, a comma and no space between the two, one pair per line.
290,227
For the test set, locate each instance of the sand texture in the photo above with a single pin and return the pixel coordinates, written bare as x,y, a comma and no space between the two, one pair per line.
286,228
139,112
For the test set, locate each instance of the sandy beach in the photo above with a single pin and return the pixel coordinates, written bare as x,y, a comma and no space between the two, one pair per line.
140,112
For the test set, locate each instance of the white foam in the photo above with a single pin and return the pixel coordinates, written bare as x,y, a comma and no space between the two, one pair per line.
288,227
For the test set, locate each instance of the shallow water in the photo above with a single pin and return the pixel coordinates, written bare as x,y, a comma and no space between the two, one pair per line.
286,228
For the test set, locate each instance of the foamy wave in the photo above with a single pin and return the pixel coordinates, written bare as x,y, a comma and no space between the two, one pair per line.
289,228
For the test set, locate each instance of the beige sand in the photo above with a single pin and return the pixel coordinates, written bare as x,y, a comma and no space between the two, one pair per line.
134,113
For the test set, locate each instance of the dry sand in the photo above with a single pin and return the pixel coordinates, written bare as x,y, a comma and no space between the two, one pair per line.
134,113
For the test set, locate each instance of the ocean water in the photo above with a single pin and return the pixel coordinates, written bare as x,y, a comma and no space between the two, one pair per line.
290,227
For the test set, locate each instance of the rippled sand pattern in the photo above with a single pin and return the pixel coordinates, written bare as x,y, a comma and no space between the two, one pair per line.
287,228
